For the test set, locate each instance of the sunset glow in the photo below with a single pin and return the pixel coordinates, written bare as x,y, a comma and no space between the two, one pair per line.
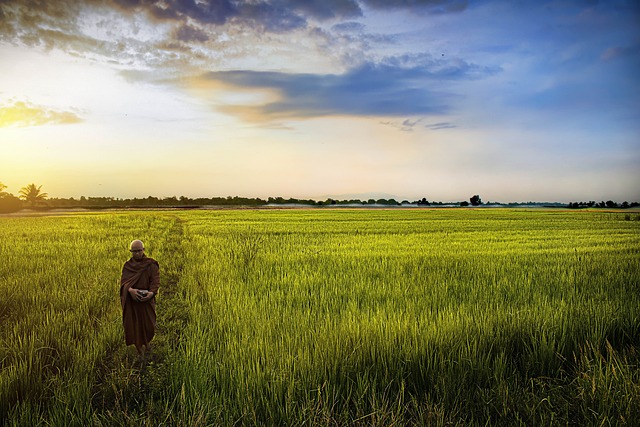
437,99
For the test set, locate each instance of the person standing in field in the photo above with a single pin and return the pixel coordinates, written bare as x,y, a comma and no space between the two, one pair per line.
138,288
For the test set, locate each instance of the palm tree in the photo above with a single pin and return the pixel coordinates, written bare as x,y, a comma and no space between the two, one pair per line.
32,194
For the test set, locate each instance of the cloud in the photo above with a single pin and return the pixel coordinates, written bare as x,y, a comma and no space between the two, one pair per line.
612,53
210,12
25,20
22,114
348,27
187,33
168,34
328,9
272,15
186,36
432,6
409,125
439,68
441,125
400,86
269,15
307,95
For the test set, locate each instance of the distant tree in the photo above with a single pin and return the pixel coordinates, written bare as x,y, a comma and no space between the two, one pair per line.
625,204
8,202
611,204
465,203
475,200
32,194
2,192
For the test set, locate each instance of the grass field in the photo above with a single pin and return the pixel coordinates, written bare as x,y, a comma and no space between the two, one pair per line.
326,317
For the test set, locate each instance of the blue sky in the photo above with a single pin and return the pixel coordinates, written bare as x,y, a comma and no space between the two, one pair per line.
512,100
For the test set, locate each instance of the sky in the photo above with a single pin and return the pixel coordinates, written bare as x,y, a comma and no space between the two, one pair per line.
442,99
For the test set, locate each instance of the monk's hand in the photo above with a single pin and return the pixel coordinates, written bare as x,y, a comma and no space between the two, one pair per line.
135,294
146,297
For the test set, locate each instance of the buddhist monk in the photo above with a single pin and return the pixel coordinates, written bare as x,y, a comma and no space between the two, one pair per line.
138,288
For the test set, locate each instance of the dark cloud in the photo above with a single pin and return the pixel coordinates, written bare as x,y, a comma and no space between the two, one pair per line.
411,123
210,12
391,88
272,17
326,9
433,6
439,68
348,27
59,25
24,19
119,39
408,125
269,15
187,33
363,92
441,125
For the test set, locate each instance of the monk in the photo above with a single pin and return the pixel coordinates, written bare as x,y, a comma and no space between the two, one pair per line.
138,288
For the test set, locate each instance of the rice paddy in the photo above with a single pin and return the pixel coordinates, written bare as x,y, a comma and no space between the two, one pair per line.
326,317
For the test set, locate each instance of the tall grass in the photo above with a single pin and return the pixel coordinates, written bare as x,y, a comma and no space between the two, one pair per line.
326,317
59,312
427,316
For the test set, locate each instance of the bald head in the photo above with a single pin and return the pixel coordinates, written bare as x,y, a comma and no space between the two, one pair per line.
137,249
136,244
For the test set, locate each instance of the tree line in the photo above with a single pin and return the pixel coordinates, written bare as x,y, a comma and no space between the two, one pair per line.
608,204
33,197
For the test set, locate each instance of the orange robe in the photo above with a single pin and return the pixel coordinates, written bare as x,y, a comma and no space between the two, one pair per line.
139,318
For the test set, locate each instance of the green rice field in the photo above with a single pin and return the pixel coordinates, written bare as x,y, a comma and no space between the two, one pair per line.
325,317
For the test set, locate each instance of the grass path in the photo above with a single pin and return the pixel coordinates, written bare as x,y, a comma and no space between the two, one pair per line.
136,391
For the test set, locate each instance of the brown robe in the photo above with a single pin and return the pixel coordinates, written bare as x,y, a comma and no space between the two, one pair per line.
139,318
